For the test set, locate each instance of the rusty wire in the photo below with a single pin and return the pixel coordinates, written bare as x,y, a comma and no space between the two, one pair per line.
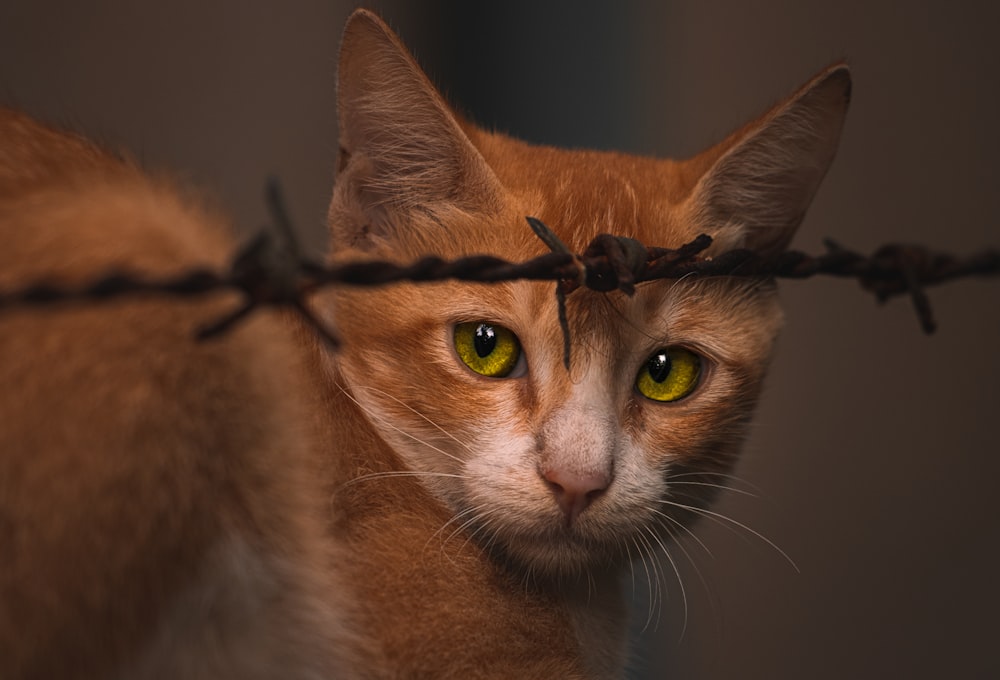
271,271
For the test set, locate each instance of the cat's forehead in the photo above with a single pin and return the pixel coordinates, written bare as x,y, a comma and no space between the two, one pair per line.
580,194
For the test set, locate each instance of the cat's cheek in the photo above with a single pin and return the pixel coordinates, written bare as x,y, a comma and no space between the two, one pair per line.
692,442
502,484
684,446
500,462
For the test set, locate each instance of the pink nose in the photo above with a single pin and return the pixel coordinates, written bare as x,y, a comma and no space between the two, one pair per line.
575,491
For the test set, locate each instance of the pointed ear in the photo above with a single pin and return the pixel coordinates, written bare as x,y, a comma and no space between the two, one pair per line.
402,148
758,183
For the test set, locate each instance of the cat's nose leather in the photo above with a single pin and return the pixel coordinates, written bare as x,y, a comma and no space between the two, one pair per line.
575,491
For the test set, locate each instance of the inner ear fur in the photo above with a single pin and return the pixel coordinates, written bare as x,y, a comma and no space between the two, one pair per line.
758,183
402,148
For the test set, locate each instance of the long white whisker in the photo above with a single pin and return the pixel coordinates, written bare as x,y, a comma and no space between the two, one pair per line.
724,475
680,581
722,487
469,517
701,576
460,520
451,520
655,600
631,565
484,526
421,415
722,519
477,516
385,422
679,524
398,473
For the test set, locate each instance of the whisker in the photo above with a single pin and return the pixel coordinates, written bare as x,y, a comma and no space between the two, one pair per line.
721,487
680,525
639,329
656,599
476,516
492,535
722,519
680,581
421,415
591,586
724,475
383,421
673,284
470,516
398,473
701,577
454,518
631,565
465,517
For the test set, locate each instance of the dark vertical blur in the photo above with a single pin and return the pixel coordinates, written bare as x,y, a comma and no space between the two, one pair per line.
557,73
874,460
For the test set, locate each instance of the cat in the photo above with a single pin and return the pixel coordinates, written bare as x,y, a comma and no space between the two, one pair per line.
561,477
158,515
440,497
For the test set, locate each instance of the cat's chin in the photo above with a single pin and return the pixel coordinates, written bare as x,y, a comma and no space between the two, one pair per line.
531,534
556,554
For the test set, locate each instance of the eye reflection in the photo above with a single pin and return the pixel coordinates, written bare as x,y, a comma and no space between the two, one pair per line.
670,374
488,349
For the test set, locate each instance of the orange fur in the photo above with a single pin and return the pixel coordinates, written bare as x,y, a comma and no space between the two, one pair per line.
156,505
259,507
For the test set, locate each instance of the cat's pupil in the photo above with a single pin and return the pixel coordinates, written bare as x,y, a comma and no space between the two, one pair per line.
659,366
485,340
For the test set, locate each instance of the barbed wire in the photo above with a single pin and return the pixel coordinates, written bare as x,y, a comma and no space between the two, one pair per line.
271,271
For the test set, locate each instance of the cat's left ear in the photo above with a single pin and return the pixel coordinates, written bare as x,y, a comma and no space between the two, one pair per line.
403,150
756,185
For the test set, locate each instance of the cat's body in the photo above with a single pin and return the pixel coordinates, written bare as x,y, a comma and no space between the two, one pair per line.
145,523
259,505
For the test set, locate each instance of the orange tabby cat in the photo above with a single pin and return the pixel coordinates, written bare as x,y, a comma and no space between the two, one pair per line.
158,514
441,498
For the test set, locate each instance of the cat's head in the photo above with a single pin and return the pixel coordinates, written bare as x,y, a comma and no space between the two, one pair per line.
558,469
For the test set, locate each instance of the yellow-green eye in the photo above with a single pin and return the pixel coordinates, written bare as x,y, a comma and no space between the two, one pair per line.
669,374
487,349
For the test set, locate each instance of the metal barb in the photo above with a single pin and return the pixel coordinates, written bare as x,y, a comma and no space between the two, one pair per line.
271,272
274,196
563,286
547,236
563,325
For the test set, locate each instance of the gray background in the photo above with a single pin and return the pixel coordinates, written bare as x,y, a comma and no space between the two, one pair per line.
873,462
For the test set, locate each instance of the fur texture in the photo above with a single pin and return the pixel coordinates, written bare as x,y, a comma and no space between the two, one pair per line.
260,507
157,506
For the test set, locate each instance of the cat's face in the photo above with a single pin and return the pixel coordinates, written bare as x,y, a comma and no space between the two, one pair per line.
557,468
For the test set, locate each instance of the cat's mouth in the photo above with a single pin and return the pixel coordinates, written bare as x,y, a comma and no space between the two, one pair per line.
582,525
565,552
553,544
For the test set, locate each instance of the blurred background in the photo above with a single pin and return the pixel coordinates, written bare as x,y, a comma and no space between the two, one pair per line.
874,462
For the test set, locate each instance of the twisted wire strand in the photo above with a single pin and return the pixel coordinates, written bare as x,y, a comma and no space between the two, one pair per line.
270,271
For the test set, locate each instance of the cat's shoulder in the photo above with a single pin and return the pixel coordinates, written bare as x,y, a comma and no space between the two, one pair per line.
61,193
36,155
144,471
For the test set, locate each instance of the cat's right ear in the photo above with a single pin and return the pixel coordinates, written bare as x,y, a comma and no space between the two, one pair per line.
402,149
756,185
